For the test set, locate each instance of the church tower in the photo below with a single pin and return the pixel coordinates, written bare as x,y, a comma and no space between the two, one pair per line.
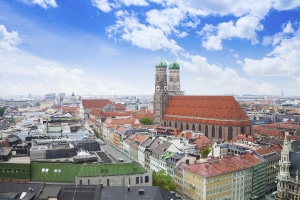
284,169
174,79
161,95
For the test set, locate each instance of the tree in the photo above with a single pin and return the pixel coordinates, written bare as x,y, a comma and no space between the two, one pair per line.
163,180
146,121
1,111
205,151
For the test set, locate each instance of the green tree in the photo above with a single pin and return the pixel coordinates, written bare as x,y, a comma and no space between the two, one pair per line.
96,133
1,111
205,151
163,180
146,121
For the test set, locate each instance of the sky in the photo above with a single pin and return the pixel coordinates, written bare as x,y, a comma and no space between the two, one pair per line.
110,47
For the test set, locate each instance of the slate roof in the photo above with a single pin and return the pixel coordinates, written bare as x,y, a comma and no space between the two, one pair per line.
175,158
161,148
206,110
136,193
95,103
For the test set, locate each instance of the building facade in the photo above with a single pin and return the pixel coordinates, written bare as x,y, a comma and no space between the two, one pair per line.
288,183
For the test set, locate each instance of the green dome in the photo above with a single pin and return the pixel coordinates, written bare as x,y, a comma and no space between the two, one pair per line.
161,64
174,65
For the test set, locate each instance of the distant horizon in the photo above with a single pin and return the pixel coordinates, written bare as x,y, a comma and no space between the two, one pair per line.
147,95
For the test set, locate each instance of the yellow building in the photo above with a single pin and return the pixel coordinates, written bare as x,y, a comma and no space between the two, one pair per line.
218,179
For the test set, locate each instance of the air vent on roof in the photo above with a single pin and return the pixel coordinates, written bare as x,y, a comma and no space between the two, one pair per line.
141,191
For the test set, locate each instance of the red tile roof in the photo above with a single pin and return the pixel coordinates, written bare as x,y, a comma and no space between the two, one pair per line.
114,123
242,138
207,110
96,112
224,165
201,142
70,109
95,103
119,106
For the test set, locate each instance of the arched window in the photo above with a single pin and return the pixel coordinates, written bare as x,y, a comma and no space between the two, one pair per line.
165,123
230,133
220,132
206,130
181,126
193,127
242,130
170,124
187,127
175,124
199,127
213,131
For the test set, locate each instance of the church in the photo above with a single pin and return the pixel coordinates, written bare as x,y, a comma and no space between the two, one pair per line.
215,116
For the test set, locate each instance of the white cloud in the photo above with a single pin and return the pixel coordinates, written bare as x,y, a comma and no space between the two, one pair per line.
282,61
103,5
267,89
287,29
141,35
245,28
8,40
45,3
213,79
285,5
166,20
25,73
135,2
182,34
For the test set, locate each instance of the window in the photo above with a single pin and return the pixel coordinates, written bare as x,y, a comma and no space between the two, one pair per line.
107,182
137,180
146,179
206,130
187,126
193,127
220,131
141,179
129,181
213,131
230,134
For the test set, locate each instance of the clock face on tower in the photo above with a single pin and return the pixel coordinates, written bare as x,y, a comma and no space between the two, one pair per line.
157,88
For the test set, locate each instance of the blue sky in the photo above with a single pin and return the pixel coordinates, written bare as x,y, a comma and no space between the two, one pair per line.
99,47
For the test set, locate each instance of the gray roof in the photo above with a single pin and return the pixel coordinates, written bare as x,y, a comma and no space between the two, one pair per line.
147,142
175,158
136,193
161,148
